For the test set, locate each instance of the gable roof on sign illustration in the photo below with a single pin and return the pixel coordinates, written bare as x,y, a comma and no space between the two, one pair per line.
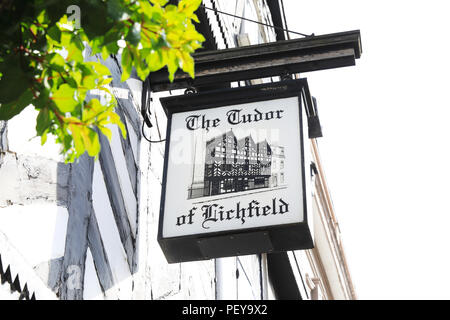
240,141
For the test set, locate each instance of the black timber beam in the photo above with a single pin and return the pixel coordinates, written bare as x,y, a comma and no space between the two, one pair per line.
282,277
265,60
275,12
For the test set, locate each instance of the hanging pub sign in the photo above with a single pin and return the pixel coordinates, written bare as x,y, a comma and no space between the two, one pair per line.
236,173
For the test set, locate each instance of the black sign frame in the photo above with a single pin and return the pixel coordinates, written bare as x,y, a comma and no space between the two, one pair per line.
268,239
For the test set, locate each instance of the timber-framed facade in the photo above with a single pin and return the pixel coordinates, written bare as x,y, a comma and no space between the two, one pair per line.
233,165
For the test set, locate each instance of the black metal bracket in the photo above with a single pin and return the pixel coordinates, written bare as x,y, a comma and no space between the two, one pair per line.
190,90
145,102
314,127
313,169
286,76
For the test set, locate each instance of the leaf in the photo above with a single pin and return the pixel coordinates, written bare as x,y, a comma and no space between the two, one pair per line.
54,33
189,6
188,63
43,121
114,34
91,110
126,64
77,139
154,60
115,119
66,38
9,110
100,69
64,98
105,53
192,34
116,10
42,17
78,77
170,8
95,19
134,34
43,138
14,80
97,44
172,63
142,69
67,141
57,62
89,81
90,140
106,131
159,2
195,18
122,128
75,52
112,47
103,82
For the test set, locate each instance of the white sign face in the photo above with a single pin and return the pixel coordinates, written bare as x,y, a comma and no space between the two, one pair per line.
234,167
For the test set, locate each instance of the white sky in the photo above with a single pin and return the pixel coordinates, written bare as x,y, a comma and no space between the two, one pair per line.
385,148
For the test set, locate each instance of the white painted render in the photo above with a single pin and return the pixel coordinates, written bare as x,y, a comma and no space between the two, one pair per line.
37,231
108,229
23,129
124,179
134,141
226,282
13,259
6,294
92,289
249,278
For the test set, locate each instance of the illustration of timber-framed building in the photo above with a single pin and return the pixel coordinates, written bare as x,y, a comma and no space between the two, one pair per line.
233,165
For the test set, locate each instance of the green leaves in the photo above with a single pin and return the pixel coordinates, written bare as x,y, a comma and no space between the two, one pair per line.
13,81
57,62
134,34
189,6
42,62
85,139
159,2
127,64
43,121
167,38
9,110
64,98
